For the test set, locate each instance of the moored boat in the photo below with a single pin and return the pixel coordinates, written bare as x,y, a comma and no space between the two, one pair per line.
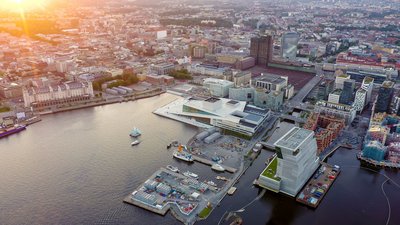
16,129
135,132
183,156
173,168
217,167
136,142
191,175
211,183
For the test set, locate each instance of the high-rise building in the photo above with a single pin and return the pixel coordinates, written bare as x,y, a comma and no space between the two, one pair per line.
334,96
261,49
347,96
360,100
324,88
385,96
368,85
340,78
289,45
296,160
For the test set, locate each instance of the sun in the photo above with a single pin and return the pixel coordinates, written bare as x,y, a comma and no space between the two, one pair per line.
25,5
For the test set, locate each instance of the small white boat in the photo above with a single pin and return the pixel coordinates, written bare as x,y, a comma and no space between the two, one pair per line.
191,175
211,183
173,168
136,142
217,167
183,156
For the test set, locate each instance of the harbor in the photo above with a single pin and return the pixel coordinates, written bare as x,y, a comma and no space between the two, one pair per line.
318,185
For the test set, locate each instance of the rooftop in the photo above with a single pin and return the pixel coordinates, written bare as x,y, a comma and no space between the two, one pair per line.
294,138
368,80
274,79
212,100
270,171
387,84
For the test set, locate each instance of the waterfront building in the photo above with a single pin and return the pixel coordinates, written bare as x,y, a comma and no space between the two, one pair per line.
289,44
385,96
47,95
261,49
230,115
374,150
295,162
347,112
327,129
218,87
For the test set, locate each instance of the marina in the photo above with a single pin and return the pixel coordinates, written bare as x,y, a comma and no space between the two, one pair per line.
318,185
165,190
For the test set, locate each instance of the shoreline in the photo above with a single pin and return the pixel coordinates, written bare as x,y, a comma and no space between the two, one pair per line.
147,94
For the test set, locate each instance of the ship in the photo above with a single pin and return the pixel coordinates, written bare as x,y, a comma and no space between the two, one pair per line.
180,154
183,156
135,132
191,175
13,130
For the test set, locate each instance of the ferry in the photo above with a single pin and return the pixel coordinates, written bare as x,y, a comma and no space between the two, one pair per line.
16,129
136,142
217,167
173,168
135,132
191,175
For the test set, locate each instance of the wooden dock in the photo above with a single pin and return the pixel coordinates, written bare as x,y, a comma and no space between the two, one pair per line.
210,163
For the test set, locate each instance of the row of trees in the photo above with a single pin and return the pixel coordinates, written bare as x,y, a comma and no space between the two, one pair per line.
182,74
127,78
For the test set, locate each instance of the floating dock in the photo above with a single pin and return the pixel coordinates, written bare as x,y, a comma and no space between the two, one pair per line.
319,184
210,163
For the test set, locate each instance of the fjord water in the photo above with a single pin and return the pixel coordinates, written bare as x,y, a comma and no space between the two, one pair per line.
76,167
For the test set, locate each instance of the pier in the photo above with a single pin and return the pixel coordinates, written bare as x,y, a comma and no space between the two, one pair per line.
318,185
210,163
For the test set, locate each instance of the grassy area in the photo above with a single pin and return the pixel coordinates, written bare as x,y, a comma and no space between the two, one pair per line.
4,109
205,212
270,171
